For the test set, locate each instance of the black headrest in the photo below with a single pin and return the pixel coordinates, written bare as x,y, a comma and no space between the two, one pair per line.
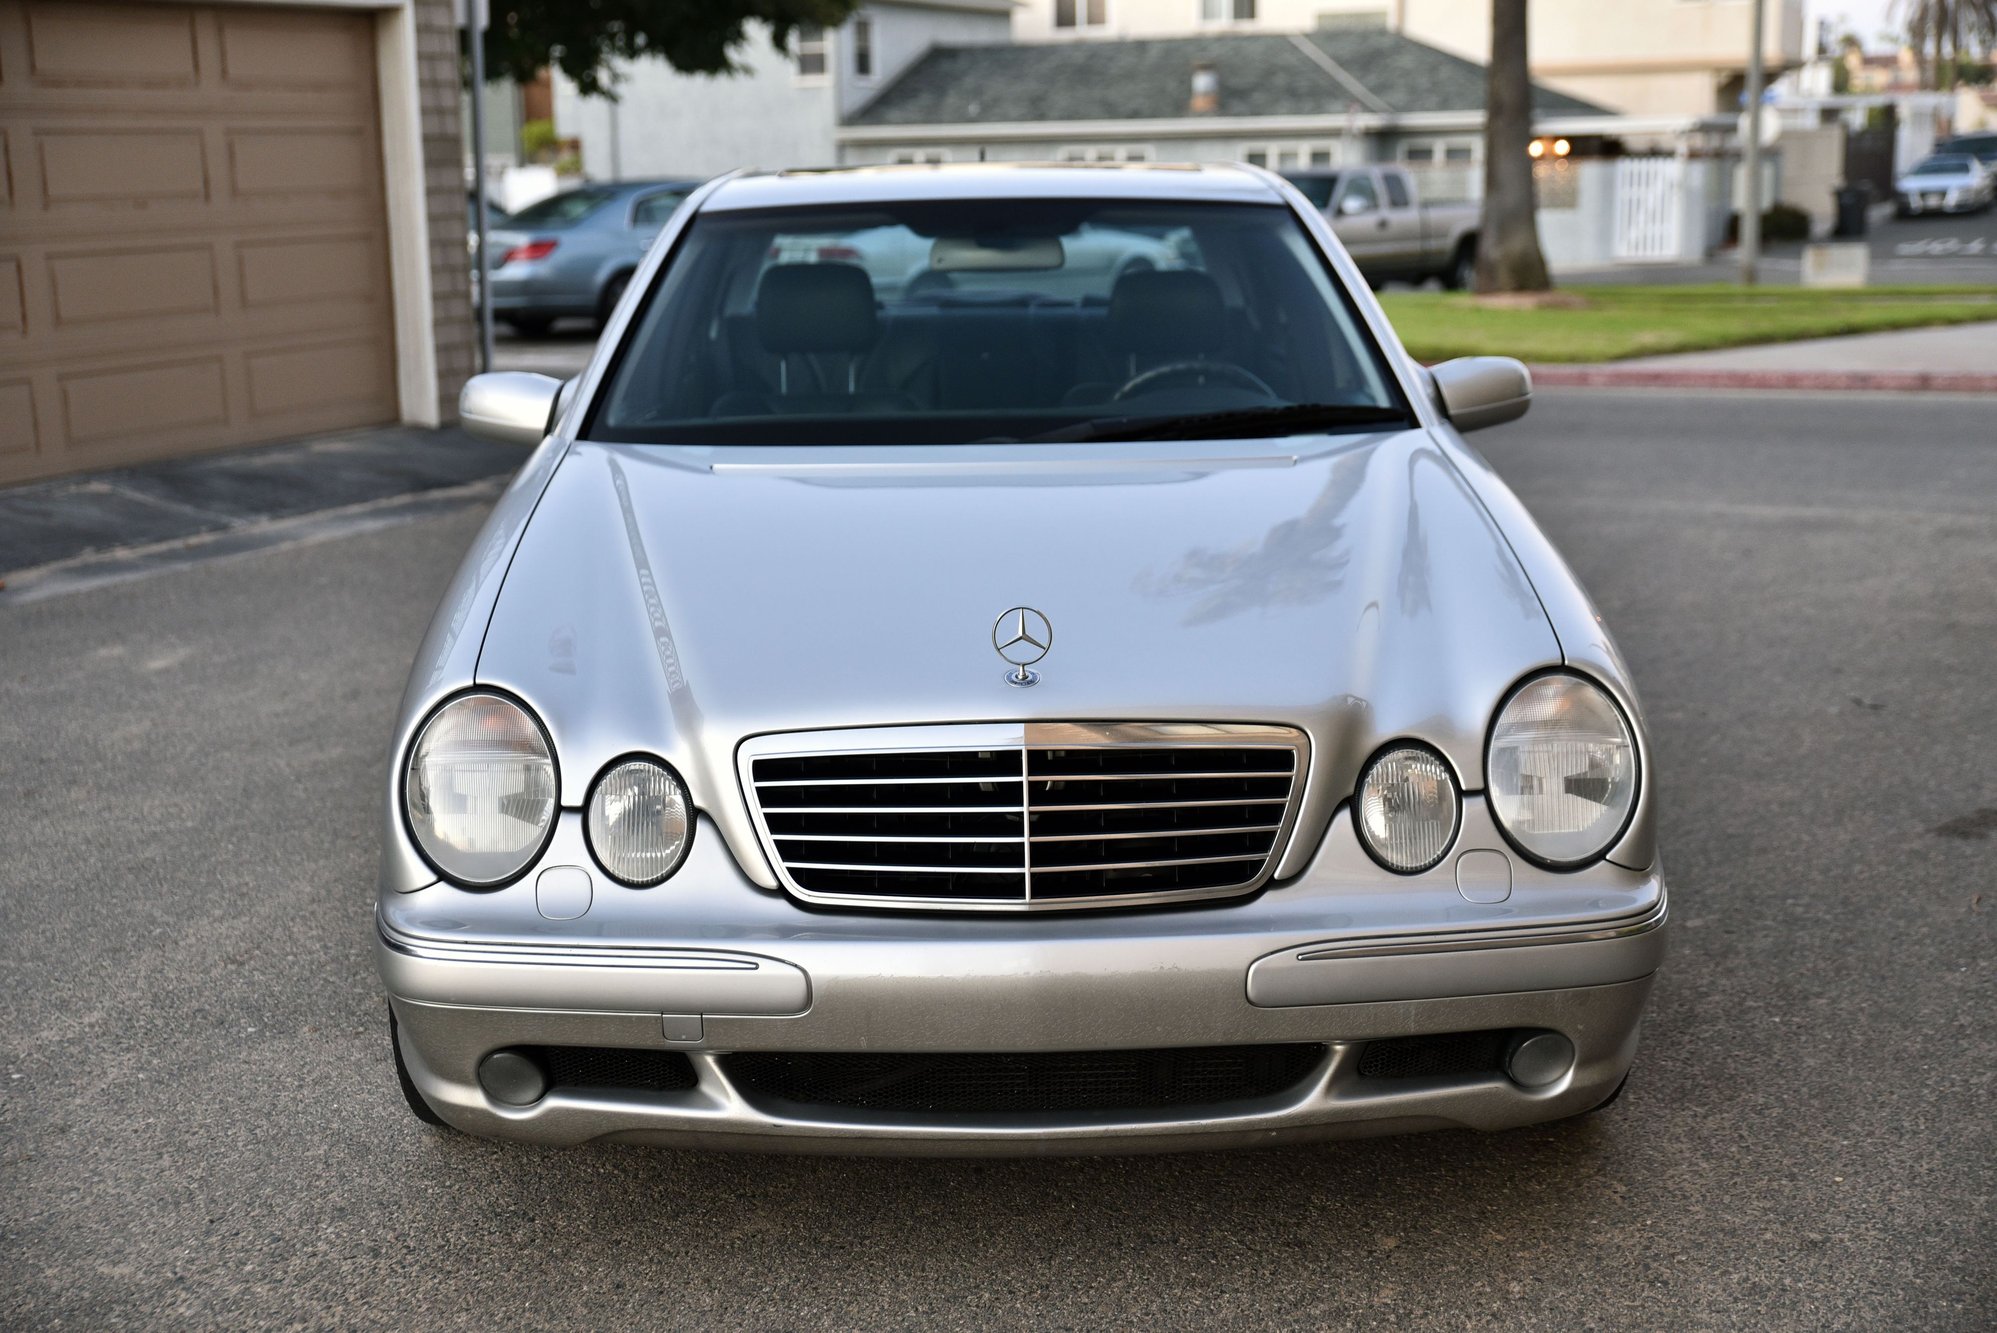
816,308
1166,312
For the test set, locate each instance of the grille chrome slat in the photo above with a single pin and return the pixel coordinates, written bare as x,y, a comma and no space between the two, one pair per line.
1167,789
1148,833
901,869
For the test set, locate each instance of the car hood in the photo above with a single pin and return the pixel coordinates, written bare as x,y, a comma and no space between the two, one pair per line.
678,600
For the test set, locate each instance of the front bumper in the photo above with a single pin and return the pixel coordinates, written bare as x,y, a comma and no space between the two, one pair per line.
1339,956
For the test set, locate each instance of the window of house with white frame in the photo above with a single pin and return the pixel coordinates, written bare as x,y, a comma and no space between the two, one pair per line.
1079,14
1227,11
860,37
1130,152
810,47
1293,156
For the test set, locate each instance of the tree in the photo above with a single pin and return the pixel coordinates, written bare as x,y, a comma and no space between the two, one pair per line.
1944,27
582,37
1508,254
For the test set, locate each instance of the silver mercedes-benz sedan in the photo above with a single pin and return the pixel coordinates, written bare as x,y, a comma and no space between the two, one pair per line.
1008,717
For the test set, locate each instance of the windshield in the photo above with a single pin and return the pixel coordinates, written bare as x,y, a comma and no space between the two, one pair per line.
947,322
562,210
1943,166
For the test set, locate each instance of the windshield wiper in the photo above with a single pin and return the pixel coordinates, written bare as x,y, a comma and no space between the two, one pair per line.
1241,423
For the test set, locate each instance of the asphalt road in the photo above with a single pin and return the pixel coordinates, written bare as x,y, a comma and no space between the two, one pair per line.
199,1125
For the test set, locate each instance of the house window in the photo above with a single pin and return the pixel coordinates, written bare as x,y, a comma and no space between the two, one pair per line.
863,47
1459,154
1291,156
810,51
1137,152
924,156
1227,11
1081,13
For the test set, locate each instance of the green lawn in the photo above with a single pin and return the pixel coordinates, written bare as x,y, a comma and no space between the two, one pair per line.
1618,322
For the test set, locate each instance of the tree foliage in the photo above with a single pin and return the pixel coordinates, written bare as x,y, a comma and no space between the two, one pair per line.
1949,29
582,37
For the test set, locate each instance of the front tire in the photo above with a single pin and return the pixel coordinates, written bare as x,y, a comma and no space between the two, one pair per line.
613,291
417,1106
1461,274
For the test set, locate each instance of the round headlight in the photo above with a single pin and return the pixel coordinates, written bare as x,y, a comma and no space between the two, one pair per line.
1562,770
640,822
480,790
1407,808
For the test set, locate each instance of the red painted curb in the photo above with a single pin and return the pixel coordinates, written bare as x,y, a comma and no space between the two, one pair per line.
1874,381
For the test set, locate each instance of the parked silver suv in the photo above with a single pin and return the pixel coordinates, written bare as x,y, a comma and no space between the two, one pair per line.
1037,715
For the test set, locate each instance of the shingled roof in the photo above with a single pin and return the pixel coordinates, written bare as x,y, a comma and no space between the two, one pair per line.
1261,74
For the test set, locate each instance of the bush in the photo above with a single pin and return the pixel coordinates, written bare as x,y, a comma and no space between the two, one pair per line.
537,140
1781,222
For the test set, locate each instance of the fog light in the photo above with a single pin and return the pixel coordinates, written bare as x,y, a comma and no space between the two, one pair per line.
512,1078
1540,1059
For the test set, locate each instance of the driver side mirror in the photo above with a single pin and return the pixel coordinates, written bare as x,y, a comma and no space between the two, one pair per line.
509,406
1479,391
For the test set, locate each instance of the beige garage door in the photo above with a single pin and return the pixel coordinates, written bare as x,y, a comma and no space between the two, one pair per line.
193,252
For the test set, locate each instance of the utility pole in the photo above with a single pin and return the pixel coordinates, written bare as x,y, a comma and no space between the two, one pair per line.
1750,213
476,14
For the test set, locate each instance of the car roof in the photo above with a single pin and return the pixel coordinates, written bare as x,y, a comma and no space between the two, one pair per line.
1172,182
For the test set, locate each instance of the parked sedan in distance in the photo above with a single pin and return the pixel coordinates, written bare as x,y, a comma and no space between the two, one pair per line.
1981,146
572,253
1945,183
1125,720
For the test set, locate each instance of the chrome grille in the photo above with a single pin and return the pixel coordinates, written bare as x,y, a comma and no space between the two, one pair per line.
1025,817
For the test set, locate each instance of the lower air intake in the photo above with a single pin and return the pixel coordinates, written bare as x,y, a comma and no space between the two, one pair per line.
1449,1055
582,1067
979,1084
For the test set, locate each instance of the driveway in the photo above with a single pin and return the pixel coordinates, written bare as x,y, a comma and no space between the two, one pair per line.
198,1118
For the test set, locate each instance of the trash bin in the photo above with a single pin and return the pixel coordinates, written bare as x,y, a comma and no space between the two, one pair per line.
1852,202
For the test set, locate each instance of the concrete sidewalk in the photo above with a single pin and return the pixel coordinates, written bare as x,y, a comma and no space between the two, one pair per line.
162,512
1957,358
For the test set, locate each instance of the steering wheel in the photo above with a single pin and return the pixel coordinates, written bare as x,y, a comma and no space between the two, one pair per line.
1200,372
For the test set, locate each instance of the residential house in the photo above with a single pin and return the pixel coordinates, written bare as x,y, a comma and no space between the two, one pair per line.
224,224
783,109
1648,58
1283,100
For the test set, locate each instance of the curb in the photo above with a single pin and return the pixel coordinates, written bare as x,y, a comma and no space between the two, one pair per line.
1837,381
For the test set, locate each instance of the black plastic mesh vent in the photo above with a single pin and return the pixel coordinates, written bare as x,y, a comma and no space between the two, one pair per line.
614,1067
1449,1055
1039,1081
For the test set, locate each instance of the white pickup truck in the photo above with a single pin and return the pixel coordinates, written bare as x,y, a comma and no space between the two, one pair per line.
1389,232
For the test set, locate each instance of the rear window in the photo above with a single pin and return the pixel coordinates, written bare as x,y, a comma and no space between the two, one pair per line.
563,210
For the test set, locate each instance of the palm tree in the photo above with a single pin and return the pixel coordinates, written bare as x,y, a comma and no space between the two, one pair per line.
1940,25
1508,254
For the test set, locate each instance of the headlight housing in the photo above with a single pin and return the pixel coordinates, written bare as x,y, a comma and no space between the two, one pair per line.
1561,770
480,789
1408,808
640,822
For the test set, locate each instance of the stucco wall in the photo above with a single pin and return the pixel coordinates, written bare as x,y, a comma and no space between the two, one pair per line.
670,124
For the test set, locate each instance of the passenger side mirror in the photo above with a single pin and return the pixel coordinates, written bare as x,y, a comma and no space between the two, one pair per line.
1480,391
508,406
1354,204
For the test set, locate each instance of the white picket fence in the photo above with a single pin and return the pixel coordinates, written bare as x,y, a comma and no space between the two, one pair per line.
1649,208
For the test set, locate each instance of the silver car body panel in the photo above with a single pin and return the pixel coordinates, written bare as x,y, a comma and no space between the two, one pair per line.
1359,588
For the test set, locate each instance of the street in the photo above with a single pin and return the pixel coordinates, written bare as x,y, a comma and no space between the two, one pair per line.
199,1122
